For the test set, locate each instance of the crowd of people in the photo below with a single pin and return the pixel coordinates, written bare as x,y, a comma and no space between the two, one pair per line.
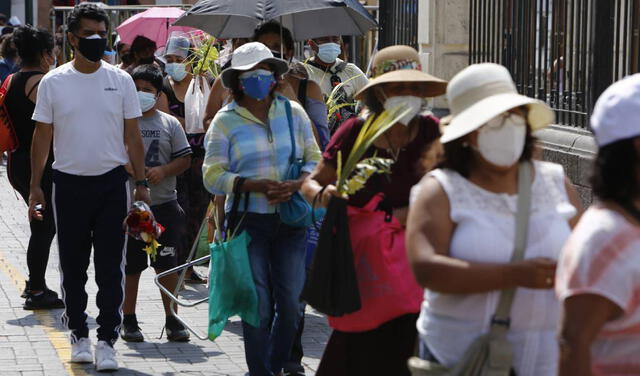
467,234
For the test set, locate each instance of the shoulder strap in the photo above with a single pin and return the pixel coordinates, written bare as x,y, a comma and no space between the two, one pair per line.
287,106
4,89
34,87
501,319
302,91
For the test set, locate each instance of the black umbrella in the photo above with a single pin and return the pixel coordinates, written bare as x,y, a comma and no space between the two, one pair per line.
305,18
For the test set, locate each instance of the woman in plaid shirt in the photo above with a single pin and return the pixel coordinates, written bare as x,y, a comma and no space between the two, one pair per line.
249,138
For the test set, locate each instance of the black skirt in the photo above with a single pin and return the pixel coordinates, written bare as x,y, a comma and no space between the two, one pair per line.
383,351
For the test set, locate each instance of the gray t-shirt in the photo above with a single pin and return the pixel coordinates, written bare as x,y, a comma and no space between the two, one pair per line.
164,140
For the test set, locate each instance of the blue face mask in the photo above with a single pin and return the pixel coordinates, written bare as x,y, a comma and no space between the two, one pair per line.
328,52
147,101
177,71
258,83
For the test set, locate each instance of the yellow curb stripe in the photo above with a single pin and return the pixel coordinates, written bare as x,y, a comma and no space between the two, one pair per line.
59,340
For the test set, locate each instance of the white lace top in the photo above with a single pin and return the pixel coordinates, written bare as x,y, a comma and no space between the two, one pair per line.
485,232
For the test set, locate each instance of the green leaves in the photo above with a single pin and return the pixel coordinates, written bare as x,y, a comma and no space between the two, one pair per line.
203,58
373,128
364,170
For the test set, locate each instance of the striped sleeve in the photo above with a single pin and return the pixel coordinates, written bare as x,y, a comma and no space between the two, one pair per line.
179,144
599,258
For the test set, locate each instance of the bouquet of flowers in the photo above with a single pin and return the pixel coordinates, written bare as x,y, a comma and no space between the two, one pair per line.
141,225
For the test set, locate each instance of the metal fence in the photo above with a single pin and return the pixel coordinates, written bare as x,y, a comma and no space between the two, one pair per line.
360,48
117,15
398,23
565,52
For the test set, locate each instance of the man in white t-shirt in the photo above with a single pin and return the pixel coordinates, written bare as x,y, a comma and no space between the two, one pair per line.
328,71
90,109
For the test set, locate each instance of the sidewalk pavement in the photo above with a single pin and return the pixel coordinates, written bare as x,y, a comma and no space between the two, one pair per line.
36,343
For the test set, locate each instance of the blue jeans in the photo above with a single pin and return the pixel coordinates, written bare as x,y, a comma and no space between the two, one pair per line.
277,256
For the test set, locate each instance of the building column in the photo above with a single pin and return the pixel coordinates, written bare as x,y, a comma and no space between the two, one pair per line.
443,37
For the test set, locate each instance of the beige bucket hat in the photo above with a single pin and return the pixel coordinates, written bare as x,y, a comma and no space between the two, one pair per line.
481,92
402,64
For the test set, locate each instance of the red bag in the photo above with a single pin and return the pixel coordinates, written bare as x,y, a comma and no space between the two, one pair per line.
8,138
387,286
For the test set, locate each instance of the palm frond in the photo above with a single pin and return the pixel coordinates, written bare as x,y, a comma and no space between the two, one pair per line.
372,129
364,170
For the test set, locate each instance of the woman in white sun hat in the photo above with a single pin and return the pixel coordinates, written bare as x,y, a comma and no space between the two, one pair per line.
599,271
461,227
248,149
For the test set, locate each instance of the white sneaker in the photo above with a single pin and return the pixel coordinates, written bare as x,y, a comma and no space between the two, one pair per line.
81,351
105,357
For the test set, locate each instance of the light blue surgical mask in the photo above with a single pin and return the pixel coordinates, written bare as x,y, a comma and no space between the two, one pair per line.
177,71
147,101
328,52
258,83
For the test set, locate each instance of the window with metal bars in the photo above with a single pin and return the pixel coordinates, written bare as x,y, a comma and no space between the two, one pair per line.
564,52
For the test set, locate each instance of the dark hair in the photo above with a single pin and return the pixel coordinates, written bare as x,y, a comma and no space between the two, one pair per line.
236,90
31,43
150,73
120,46
371,101
3,17
615,177
273,27
458,156
7,48
141,43
86,10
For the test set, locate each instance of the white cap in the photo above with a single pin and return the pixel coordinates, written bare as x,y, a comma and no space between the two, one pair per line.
615,115
248,56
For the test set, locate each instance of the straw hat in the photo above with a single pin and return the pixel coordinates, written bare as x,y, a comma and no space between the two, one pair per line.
402,64
248,56
481,92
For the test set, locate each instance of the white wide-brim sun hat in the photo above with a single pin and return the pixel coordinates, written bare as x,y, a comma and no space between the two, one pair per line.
248,56
481,92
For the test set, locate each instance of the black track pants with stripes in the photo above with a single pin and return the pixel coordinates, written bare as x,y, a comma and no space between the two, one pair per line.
89,211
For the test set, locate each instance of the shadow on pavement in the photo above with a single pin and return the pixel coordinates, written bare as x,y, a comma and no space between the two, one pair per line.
314,323
89,369
184,352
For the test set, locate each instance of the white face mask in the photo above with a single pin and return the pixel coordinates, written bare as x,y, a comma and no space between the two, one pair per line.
147,101
413,104
502,139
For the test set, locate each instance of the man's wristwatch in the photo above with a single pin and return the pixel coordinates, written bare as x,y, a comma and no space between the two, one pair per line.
144,183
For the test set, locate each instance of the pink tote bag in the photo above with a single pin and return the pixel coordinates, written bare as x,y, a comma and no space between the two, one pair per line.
387,286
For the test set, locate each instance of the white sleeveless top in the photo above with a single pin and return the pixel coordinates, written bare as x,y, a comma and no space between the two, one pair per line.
485,232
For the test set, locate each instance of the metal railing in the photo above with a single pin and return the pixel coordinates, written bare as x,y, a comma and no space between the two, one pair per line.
117,15
564,52
360,48
398,23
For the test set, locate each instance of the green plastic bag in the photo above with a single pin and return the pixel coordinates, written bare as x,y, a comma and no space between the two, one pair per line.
231,288
202,248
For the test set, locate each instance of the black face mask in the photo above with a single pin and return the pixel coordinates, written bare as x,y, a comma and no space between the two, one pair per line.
127,58
92,49
146,60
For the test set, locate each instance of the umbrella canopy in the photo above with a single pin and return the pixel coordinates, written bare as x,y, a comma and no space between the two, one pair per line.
305,18
153,23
